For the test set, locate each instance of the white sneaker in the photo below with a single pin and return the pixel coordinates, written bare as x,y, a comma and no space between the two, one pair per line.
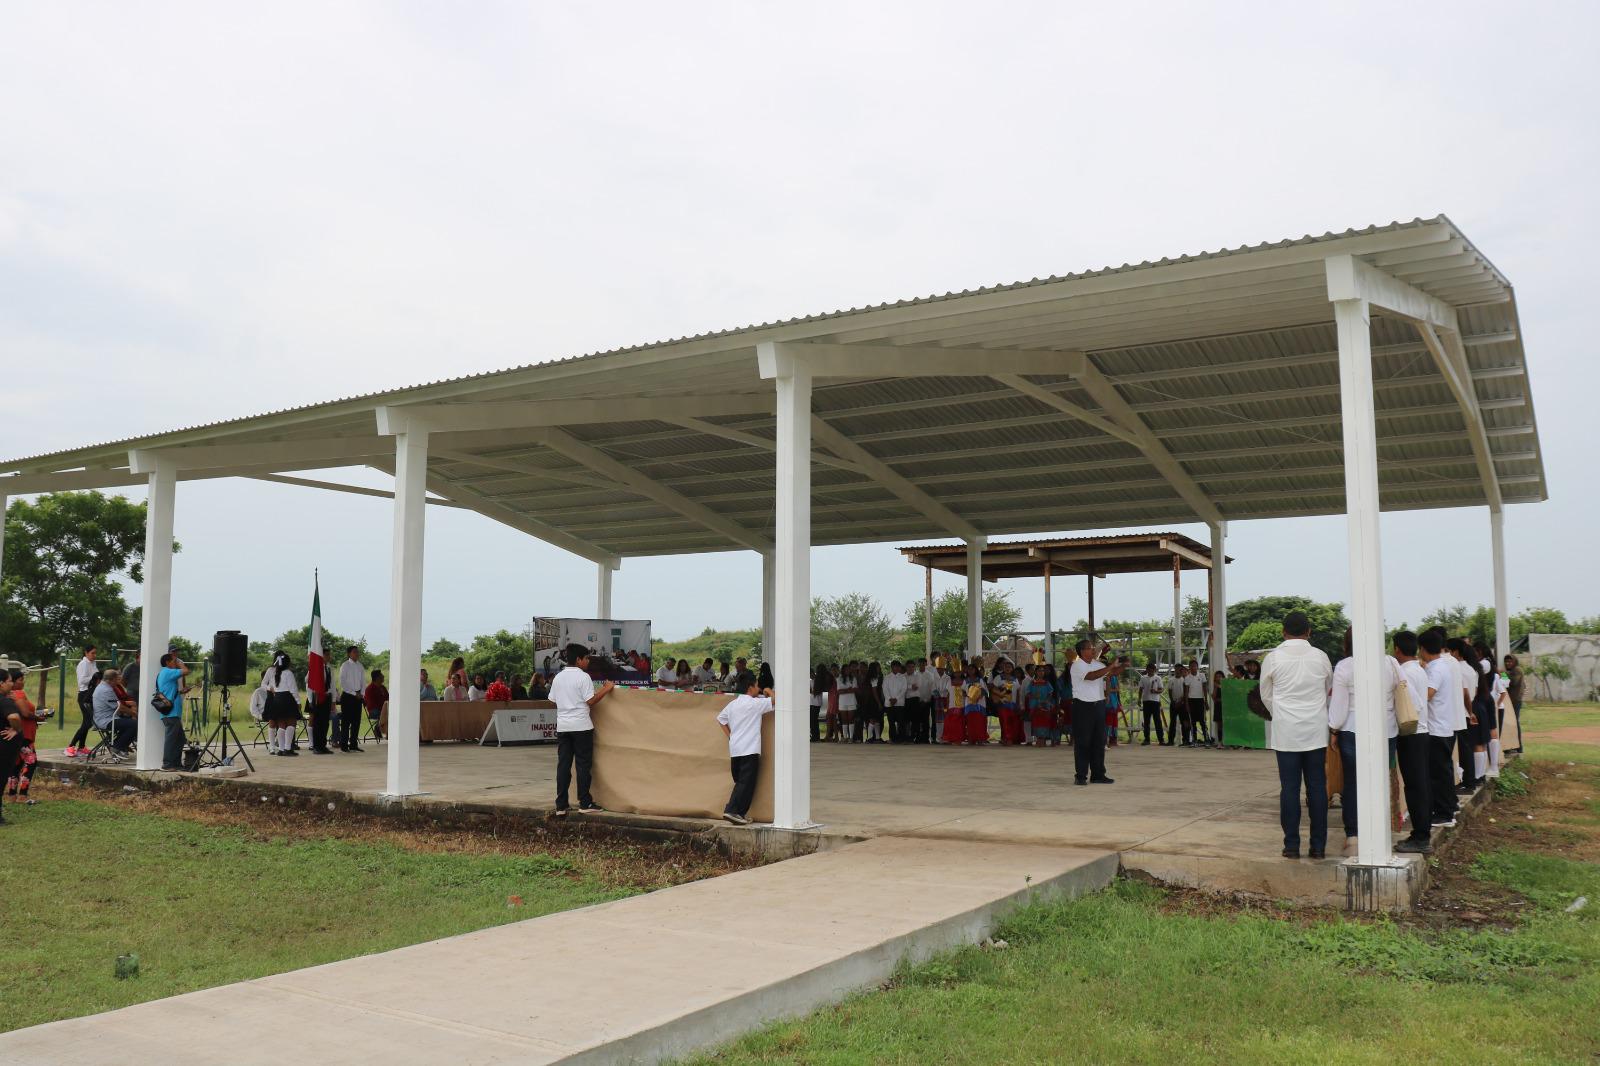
1445,825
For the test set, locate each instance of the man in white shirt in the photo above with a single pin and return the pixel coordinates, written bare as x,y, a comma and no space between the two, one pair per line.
573,693
1342,720
918,694
352,686
928,685
1411,752
1466,726
1294,688
895,687
1089,714
667,676
1150,703
1194,690
740,720
1182,729
704,674
1444,703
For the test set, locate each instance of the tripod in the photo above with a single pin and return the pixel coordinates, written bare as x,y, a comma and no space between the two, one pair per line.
222,732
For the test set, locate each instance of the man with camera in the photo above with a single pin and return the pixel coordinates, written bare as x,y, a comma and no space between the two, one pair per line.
1089,713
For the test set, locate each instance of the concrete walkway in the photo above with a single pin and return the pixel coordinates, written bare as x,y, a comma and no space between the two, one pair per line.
638,980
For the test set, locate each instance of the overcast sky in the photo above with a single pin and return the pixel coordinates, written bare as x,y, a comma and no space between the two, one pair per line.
213,210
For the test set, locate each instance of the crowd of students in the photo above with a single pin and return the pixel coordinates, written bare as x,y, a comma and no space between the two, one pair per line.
1444,706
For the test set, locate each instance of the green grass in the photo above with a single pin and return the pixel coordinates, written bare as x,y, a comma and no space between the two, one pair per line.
83,882
1113,978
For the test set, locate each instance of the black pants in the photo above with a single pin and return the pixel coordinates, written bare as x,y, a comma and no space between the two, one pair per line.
1181,727
1311,769
1197,718
816,722
172,744
917,718
1465,738
1441,781
10,754
124,731
745,769
931,719
575,745
321,713
1152,713
81,737
349,721
1412,753
1089,739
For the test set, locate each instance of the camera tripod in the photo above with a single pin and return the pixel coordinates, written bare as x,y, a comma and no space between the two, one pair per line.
223,732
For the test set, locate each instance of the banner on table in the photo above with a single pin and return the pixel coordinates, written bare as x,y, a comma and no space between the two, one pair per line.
524,725
1240,728
613,643
664,753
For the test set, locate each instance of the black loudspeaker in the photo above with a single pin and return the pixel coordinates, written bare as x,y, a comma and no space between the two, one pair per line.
227,657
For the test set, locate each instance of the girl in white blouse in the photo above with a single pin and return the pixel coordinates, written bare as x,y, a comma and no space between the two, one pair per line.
282,712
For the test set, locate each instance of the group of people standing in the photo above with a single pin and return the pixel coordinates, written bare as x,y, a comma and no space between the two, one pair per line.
335,712
1444,705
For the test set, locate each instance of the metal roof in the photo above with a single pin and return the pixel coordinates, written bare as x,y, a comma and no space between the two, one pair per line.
1228,357
1131,553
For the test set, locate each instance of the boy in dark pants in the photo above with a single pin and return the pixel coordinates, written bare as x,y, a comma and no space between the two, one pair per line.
574,694
740,720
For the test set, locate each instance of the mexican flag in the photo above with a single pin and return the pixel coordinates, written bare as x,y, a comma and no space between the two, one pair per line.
316,674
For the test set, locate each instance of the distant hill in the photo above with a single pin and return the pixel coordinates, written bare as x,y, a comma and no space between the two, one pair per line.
718,644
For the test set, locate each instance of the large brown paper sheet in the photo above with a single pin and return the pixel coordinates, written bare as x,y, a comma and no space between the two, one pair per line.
664,753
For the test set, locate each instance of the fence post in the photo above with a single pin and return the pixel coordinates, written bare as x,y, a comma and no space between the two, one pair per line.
61,693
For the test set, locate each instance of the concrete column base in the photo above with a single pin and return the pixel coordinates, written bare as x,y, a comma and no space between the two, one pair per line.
1394,887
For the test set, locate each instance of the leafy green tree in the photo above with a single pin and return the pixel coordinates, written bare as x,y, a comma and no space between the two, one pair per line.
188,650
1538,620
717,643
852,626
1453,618
1257,635
500,650
1328,621
443,648
63,552
1000,618
296,644
1550,668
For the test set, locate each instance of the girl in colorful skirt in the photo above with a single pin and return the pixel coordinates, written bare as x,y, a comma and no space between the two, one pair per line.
975,705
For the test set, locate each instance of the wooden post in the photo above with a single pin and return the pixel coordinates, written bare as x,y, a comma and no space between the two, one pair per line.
1090,579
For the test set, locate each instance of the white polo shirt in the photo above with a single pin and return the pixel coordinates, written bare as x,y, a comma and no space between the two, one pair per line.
1416,679
1084,689
742,716
1150,688
1295,677
570,692
1445,682
894,690
1195,686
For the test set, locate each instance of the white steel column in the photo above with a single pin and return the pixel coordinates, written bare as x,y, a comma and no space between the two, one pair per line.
602,599
1502,610
769,603
3,503
790,654
1219,598
405,609
1177,609
156,624
975,548
927,612
1366,577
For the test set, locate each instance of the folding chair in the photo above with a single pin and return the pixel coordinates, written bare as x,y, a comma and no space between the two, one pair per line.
103,751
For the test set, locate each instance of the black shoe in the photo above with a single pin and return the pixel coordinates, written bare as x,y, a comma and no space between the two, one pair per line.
1079,781
1101,781
1146,744
1413,847
291,752
1315,854
561,812
591,808
1291,853
354,748
322,751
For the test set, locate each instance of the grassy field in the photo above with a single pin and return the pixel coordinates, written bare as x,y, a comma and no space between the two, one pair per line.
206,892
1493,970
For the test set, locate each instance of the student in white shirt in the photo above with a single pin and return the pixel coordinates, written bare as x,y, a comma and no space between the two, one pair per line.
1411,753
1194,691
1294,687
1150,703
1342,721
573,693
352,686
1181,731
283,706
740,720
895,687
917,698
1444,702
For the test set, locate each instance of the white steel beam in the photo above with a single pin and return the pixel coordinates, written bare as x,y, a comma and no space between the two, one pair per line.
1219,598
603,572
1082,414
897,484
599,461
790,653
1445,347
405,612
1366,576
463,417
336,451
1110,400
588,479
155,628
752,440
333,486
1351,279
473,500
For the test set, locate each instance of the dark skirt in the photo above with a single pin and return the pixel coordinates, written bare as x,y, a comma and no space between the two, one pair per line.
282,708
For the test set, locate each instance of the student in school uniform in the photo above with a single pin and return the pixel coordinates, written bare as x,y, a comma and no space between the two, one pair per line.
1194,690
975,707
1412,752
740,720
1444,700
1040,701
1150,703
1342,723
846,691
282,712
1466,726
894,701
1178,700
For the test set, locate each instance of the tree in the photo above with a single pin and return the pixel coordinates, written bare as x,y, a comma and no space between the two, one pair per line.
848,627
57,587
1257,635
1328,621
1538,620
296,644
443,648
188,650
1000,618
1549,668
1453,618
501,650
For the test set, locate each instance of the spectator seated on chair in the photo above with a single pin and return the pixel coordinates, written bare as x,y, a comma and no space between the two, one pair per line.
113,715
